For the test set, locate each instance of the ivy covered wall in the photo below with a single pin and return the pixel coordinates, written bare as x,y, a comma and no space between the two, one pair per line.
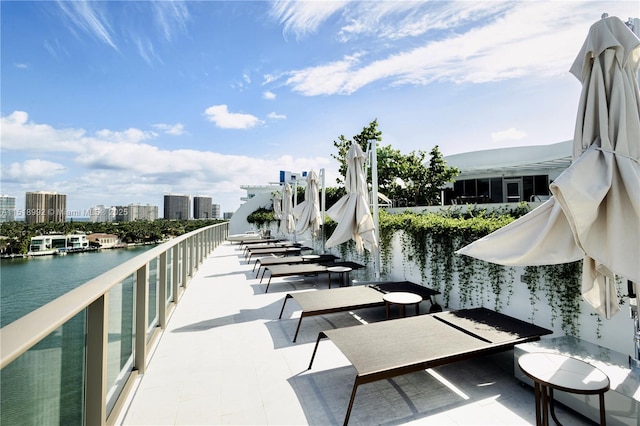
420,247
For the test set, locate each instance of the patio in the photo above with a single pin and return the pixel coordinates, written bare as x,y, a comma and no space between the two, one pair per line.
225,358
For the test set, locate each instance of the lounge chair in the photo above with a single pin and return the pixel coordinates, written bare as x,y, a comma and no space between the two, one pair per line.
292,260
286,251
304,269
343,299
388,349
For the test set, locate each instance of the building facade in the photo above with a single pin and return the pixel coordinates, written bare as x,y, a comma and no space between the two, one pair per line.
202,207
45,207
507,175
140,212
101,213
176,207
215,211
7,208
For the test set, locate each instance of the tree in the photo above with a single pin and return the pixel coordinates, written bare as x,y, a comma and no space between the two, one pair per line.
409,180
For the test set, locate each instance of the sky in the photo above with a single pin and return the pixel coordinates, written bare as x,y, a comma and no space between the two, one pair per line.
120,102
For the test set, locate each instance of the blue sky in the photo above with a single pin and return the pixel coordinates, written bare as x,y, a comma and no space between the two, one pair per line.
119,102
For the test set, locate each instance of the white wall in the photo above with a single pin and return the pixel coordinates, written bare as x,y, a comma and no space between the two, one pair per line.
238,223
615,334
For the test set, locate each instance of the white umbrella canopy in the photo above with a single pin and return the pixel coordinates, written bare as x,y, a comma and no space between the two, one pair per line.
287,223
277,206
594,213
308,212
352,210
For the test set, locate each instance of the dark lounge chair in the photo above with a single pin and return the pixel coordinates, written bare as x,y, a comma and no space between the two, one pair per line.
285,251
388,349
343,299
292,260
304,269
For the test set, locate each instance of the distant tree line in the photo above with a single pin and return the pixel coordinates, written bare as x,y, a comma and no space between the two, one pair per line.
17,235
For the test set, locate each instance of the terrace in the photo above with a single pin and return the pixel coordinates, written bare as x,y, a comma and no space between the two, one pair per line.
215,352
225,358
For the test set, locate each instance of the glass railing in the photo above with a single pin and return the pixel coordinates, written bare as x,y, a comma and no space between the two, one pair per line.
73,361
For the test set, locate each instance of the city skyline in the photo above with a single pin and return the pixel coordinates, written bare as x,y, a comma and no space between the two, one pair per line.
16,212
130,99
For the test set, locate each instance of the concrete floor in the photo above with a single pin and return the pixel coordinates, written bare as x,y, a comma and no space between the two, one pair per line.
226,358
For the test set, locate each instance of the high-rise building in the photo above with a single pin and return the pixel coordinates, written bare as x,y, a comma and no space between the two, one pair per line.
100,213
45,207
202,207
215,211
7,208
176,206
140,212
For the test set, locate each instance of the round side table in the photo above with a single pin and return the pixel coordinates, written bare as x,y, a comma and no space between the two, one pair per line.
551,371
310,257
402,299
344,274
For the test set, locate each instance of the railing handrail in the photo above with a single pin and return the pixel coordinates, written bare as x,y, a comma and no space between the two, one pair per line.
25,332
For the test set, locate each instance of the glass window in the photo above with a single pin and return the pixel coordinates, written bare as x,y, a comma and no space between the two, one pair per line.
527,188
496,190
484,190
541,185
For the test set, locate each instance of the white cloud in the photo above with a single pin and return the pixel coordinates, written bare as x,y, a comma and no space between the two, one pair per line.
89,18
18,133
170,16
119,167
304,17
170,129
508,135
221,117
31,170
126,136
269,95
21,66
275,116
521,39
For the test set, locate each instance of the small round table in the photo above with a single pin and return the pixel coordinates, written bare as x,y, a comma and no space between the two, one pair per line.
551,371
344,274
402,299
310,257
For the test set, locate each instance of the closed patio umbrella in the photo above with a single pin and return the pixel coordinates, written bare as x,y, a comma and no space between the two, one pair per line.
594,213
308,212
352,210
277,206
287,223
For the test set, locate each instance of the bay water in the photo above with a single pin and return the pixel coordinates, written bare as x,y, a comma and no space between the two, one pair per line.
29,283
45,385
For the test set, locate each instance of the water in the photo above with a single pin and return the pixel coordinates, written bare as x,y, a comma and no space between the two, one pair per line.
29,283
46,384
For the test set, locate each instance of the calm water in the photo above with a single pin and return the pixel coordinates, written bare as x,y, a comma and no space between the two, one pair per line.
28,283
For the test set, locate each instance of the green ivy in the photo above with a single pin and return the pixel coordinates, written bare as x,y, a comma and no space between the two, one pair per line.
429,241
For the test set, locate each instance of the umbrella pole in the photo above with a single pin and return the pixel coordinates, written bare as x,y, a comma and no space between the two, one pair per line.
634,302
323,201
374,193
633,287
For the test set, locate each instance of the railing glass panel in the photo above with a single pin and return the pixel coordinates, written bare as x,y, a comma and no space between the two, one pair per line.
121,338
45,385
154,277
180,262
169,277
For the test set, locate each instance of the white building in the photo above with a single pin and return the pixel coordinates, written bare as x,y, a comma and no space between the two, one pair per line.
7,208
507,175
101,213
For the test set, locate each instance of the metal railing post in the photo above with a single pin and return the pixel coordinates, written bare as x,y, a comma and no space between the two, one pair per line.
162,290
142,312
96,375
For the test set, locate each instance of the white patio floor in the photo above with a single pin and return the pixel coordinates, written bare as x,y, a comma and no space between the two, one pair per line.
226,359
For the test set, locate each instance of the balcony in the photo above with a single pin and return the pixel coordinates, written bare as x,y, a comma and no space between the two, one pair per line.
216,353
